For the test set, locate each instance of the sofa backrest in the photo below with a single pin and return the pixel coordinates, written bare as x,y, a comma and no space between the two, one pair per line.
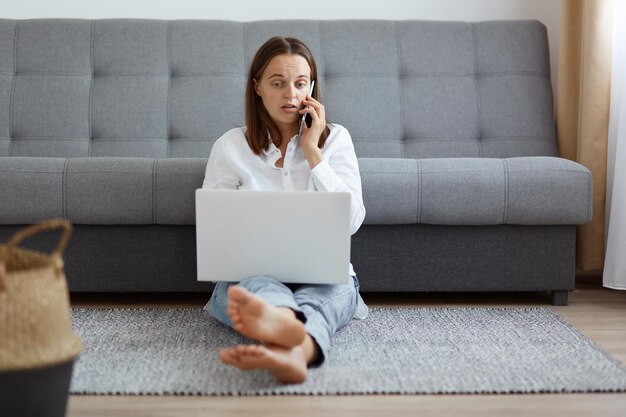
153,88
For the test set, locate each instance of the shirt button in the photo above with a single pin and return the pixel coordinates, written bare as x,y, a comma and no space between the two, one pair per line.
285,173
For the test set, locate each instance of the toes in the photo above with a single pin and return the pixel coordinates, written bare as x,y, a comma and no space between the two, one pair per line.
233,313
252,357
253,350
234,316
279,361
232,309
249,350
228,356
239,356
237,294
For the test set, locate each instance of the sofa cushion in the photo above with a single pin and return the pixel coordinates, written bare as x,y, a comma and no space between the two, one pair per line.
447,191
100,190
476,191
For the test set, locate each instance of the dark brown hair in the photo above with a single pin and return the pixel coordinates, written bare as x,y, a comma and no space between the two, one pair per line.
258,121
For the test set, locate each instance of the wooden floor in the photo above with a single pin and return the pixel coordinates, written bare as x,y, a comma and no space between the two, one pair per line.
597,312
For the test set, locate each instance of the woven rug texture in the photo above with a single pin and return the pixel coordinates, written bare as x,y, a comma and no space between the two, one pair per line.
394,351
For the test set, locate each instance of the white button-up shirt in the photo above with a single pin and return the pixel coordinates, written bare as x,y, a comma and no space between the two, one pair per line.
233,165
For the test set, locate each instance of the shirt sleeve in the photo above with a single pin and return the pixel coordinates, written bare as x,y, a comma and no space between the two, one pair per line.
339,172
219,173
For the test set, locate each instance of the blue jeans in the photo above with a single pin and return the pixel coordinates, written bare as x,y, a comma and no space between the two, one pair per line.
323,309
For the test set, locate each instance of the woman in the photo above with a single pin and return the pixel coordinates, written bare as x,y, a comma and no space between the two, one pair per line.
293,323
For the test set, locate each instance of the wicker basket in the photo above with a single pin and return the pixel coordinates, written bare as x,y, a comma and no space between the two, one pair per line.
37,343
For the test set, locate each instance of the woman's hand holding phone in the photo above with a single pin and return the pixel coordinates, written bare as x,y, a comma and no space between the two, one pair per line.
310,136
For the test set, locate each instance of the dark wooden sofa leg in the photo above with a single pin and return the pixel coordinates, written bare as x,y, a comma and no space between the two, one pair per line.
559,297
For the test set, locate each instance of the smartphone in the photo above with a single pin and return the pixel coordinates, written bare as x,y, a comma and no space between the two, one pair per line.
306,117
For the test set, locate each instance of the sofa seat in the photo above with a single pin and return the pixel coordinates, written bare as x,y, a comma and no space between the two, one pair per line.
443,191
476,191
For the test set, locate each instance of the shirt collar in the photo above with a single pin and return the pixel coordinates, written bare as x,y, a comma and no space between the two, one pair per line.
273,154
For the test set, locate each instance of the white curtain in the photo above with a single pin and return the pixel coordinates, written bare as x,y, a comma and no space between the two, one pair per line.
614,275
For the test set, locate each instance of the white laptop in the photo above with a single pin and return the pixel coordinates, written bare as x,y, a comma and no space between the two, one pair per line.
293,236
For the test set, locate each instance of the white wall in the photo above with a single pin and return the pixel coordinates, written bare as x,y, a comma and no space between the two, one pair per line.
547,11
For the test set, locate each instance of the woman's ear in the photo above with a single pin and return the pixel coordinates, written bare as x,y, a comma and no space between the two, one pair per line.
256,87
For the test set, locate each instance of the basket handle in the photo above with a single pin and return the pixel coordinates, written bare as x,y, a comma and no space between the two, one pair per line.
37,228
41,227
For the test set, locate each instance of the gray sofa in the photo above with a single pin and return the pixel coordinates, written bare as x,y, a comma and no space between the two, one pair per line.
109,123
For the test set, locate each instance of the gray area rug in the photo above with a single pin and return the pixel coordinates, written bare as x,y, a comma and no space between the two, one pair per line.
393,351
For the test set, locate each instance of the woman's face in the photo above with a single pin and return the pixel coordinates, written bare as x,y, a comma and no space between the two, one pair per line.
283,85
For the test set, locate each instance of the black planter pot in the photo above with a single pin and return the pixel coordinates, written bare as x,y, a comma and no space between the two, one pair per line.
36,392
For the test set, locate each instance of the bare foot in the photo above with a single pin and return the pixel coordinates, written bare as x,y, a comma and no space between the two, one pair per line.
286,364
254,318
